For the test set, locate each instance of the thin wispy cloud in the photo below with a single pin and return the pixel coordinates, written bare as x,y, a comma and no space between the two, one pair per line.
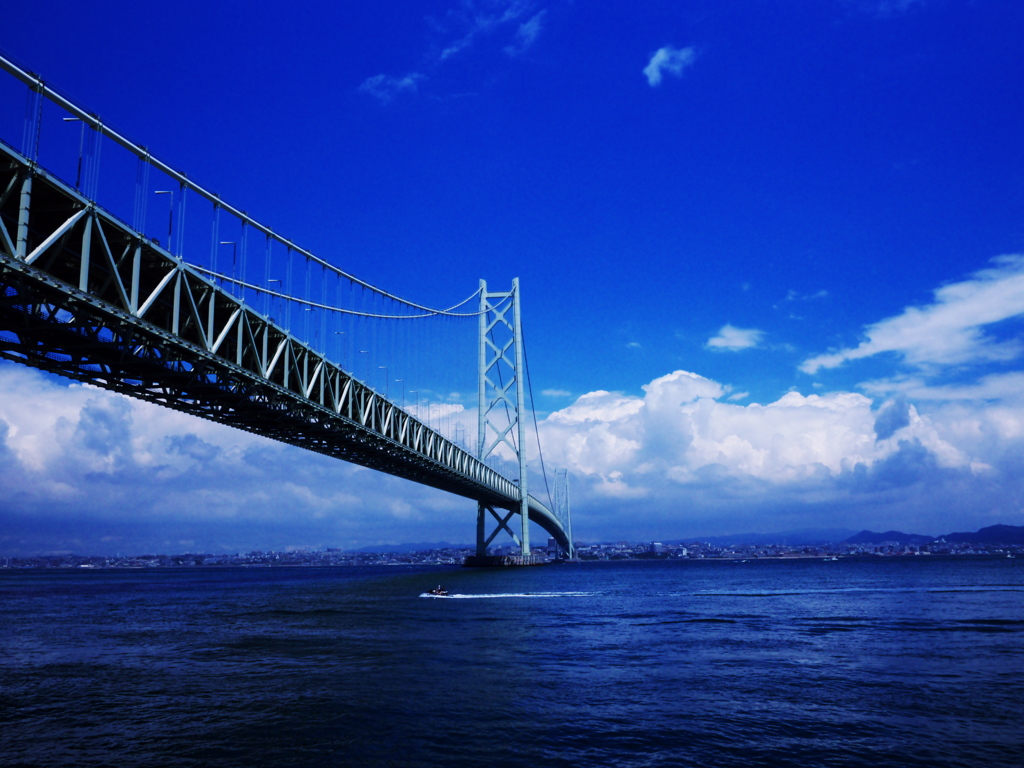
462,28
668,61
471,20
733,339
386,89
994,387
526,35
884,8
952,329
794,296
556,393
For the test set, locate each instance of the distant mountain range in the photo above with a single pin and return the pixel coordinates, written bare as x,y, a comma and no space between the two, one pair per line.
889,537
993,534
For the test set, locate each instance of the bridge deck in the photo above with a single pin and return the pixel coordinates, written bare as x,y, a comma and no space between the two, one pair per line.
84,296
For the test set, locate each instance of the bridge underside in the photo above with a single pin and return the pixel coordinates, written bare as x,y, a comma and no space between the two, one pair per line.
46,327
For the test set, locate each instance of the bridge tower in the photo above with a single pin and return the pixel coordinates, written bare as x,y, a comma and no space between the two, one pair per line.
501,428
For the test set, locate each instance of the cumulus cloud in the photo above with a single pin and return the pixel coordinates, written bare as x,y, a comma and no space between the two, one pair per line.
892,417
87,470
733,339
688,455
668,60
951,330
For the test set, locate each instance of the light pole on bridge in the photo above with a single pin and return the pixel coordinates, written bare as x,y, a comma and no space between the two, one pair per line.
306,328
273,280
367,366
170,215
81,149
234,253
341,348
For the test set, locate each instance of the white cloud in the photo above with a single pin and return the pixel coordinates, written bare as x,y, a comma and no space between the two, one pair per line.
462,28
556,392
733,339
668,60
473,19
951,329
684,446
386,89
993,387
677,458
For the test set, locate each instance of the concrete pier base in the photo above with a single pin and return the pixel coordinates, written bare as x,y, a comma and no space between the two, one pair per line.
502,561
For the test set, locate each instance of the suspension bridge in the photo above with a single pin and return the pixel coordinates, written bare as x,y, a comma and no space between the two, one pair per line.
187,302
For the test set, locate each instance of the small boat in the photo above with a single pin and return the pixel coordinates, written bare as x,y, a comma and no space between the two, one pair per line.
438,591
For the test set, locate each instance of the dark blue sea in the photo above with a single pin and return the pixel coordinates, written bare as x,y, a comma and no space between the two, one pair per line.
870,662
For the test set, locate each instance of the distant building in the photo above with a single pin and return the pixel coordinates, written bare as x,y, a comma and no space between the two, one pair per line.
656,548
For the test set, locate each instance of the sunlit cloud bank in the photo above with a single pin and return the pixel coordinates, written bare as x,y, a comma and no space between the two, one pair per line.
88,471
682,459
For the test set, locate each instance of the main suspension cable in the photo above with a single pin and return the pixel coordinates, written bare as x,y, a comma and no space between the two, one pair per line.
40,90
317,305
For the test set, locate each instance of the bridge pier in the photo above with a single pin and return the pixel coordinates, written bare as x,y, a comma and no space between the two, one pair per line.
503,561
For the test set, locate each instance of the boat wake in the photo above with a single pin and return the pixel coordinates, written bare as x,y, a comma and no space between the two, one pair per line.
508,594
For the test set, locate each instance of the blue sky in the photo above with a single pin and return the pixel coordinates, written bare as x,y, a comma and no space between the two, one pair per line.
766,249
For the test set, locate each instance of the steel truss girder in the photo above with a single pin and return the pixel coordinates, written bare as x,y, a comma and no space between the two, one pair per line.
84,296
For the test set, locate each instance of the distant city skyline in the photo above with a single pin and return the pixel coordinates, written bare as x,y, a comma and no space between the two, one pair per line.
771,254
1002,541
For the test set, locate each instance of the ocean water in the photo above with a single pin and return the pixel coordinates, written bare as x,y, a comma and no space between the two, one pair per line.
874,662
